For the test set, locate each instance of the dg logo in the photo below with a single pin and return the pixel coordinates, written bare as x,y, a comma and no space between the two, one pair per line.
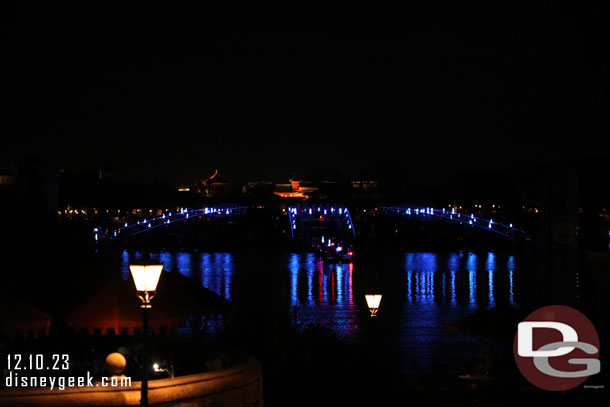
557,348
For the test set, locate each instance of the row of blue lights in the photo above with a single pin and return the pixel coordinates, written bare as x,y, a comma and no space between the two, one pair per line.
163,216
350,224
472,220
291,216
293,212
183,214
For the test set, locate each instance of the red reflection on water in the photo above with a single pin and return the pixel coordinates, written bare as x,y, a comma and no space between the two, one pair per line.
318,283
333,289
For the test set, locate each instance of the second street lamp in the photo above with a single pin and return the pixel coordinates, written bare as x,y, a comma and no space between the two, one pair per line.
373,300
146,277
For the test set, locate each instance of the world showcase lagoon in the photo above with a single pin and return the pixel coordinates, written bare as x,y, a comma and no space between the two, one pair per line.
443,334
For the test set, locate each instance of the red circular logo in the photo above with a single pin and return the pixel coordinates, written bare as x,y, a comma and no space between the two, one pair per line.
556,348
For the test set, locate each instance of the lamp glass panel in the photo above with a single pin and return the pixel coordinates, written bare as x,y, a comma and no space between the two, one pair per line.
373,300
146,278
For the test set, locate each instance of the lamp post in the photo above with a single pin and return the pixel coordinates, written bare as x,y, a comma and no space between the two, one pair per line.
373,300
146,277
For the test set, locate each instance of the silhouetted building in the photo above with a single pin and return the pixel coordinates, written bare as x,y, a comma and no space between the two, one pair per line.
258,187
8,179
8,187
365,185
106,171
215,185
37,184
365,188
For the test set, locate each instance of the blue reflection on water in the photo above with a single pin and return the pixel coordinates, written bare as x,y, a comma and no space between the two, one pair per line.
213,270
183,264
216,272
322,292
491,266
471,265
125,265
420,269
470,281
168,260
294,264
510,264
312,282
228,268
452,287
436,288
453,265
430,280
453,262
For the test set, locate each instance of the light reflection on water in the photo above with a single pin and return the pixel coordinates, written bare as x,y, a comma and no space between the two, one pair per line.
313,282
216,271
429,282
322,293
213,270
435,288
443,288
321,290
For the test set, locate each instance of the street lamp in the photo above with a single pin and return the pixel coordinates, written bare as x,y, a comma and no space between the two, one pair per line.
373,300
145,275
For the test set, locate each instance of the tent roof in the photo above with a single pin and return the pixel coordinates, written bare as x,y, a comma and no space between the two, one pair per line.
117,306
20,317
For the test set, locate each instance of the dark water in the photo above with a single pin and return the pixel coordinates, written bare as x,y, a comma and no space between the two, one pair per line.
422,292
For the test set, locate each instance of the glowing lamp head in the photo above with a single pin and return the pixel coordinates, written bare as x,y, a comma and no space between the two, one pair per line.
146,278
373,301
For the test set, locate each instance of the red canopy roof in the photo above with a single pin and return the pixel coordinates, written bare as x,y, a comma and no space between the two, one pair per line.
18,317
116,306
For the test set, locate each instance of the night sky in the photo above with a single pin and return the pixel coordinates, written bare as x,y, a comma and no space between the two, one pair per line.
263,91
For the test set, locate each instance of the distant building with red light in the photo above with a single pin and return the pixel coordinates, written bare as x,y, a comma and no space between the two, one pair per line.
296,189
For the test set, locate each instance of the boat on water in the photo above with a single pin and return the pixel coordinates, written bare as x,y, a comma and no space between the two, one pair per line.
331,251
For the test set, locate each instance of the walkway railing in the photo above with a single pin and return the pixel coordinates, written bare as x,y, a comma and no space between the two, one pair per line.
452,215
184,214
312,211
